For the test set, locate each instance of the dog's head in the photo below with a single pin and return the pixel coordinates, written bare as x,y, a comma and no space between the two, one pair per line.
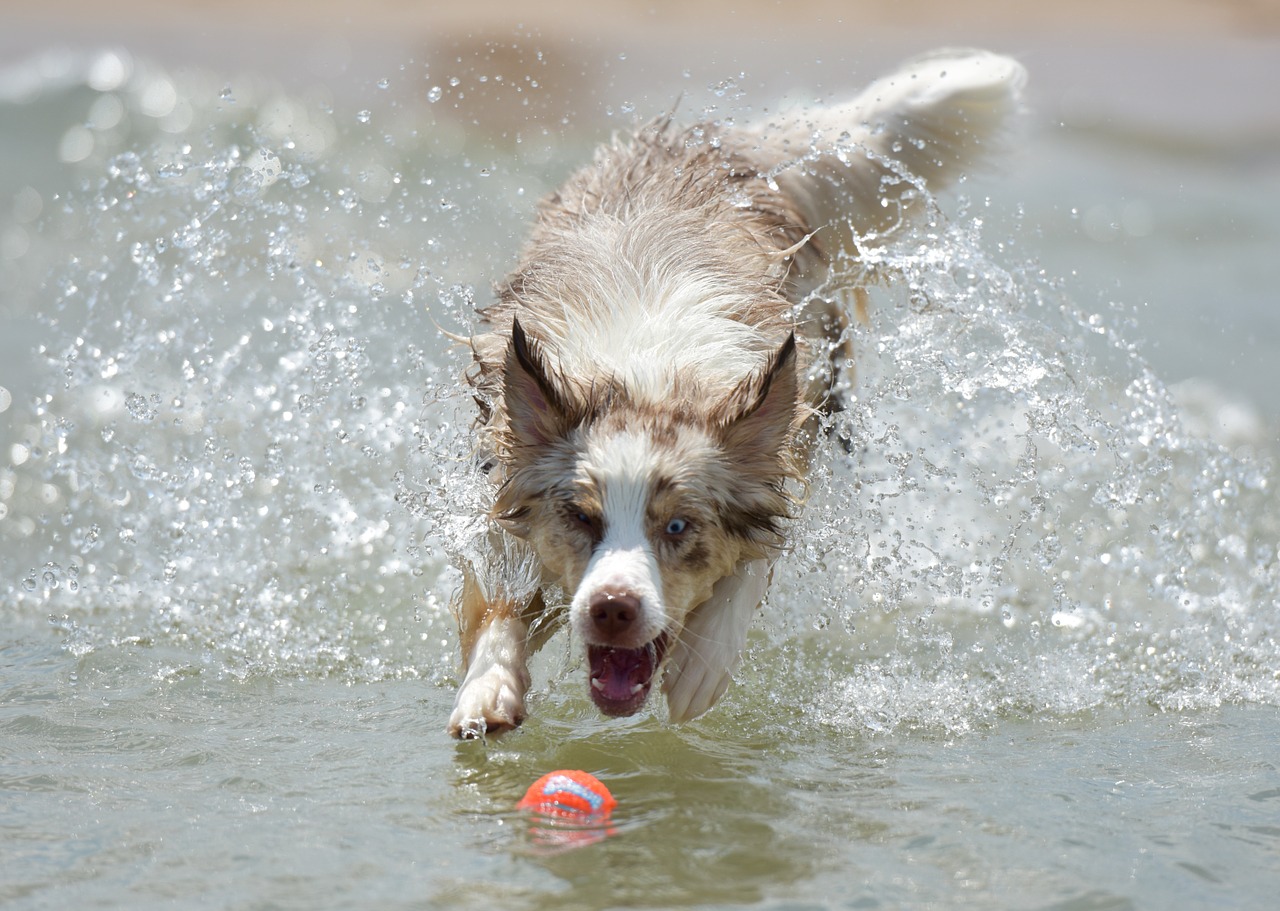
641,509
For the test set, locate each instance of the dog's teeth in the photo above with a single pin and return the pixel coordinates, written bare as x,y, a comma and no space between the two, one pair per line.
597,684
636,687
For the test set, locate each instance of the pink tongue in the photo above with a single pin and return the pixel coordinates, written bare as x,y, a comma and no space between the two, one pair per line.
619,670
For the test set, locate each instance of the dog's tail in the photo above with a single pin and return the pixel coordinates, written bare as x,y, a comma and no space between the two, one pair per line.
860,166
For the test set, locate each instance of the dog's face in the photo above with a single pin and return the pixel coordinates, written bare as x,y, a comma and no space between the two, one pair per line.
640,510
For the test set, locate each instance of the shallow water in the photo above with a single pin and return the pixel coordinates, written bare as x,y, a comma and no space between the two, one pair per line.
1022,654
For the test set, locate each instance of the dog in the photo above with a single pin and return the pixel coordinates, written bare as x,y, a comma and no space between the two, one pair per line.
652,378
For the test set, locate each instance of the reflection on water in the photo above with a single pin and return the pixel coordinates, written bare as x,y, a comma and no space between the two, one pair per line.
703,786
240,457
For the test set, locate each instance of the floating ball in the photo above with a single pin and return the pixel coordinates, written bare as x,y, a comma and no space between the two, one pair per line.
568,793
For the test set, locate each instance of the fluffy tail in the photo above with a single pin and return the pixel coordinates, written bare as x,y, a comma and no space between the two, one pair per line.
861,164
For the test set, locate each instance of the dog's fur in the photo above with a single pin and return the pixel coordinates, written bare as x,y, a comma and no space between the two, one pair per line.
650,376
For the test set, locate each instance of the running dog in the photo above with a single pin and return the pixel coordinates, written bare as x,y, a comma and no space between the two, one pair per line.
652,376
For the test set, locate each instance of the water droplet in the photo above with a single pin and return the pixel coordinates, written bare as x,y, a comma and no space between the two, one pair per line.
188,236
435,94
364,116
139,406
109,72
76,145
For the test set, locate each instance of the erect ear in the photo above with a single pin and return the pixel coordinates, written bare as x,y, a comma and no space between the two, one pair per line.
537,412
760,429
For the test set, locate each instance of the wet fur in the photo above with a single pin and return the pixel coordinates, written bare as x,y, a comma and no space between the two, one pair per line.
649,375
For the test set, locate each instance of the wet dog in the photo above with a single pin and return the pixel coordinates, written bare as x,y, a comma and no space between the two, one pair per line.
653,373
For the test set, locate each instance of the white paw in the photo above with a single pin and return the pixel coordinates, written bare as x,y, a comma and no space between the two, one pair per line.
693,682
701,662
489,702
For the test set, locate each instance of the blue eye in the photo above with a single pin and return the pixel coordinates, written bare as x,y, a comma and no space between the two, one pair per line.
677,527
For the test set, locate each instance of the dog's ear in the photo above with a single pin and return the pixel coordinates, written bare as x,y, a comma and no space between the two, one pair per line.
758,432
537,412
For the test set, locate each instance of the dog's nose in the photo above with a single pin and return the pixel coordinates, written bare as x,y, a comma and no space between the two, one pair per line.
613,612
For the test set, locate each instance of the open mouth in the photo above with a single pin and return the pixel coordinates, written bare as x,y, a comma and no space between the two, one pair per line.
622,677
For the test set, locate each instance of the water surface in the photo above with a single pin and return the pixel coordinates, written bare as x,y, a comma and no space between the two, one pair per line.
1022,652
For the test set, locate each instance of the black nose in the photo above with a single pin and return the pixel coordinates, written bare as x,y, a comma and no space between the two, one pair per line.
613,612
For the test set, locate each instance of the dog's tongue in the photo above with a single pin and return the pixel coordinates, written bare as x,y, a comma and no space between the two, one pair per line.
620,678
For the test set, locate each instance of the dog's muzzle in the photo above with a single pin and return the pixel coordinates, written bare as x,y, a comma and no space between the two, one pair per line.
621,678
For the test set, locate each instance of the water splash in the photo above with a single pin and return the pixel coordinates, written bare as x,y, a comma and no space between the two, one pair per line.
1026,524
229,401
250,453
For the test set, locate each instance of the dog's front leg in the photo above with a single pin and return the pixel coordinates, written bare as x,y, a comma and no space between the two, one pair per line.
703,659
494,647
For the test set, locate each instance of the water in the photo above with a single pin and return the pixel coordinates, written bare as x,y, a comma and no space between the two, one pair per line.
1022,654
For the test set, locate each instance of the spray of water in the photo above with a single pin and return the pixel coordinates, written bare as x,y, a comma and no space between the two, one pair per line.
251,456
1025,523
242,350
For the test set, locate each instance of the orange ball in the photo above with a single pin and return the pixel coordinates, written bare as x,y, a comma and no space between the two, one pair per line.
568,793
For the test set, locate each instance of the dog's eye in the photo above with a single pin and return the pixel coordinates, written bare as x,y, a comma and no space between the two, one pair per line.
676,527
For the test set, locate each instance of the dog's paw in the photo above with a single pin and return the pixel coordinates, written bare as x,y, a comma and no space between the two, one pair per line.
488,703
701,662
692,683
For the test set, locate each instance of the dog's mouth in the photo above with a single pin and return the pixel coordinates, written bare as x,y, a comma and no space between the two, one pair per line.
622,677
